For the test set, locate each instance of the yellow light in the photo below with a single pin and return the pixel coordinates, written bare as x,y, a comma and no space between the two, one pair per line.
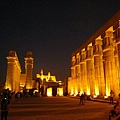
107,90
76,90
8,87
60,91
75,94
94,96
71,94
96,90
88,90
72,91
49,91
35,91
21,85
105,96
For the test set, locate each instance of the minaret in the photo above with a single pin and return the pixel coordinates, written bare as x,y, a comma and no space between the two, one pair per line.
29,67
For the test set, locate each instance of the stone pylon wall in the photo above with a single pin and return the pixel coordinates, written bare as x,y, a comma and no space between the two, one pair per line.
13,72
98,60
29,69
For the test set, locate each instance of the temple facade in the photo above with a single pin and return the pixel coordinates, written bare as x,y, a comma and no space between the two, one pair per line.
45,85
15,81
95,65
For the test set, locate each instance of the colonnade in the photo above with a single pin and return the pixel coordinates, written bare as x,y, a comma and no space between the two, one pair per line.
95,65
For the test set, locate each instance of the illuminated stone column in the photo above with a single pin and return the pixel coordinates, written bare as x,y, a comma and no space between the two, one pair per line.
90,76
99,76
80,74
29,67
98,67
90,69
75,77
118,45
77,73
72,79
69,85
13,72
117,70
82,86
116,28
109,63
72,82
83,71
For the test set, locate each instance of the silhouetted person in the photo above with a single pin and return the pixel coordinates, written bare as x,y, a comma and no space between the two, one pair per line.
81,100
4,108
13,96
18,96
115,113
111,97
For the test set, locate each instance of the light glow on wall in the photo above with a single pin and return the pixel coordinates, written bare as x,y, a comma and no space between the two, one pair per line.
96,90
107,91
105,96
8,87
81,92
49,91
72,91
88,90
94,96
76,91
60,91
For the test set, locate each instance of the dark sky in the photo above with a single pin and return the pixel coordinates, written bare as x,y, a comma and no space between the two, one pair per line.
51,29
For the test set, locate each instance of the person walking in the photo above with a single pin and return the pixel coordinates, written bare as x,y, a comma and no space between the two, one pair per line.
111,97
18,96
4,108
81,100
13,96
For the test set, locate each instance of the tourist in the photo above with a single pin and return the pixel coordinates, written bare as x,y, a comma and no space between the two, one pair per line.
115,113
13,96
18,96
4,108
111,97
81,100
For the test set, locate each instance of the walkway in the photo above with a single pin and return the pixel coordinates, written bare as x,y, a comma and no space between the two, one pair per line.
57,108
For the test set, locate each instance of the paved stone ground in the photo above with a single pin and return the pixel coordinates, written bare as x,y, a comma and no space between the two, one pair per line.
57,108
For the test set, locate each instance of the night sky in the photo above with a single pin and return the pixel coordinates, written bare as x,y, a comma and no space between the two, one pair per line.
51,29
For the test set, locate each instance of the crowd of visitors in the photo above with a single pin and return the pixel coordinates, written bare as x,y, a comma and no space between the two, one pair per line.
7,98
